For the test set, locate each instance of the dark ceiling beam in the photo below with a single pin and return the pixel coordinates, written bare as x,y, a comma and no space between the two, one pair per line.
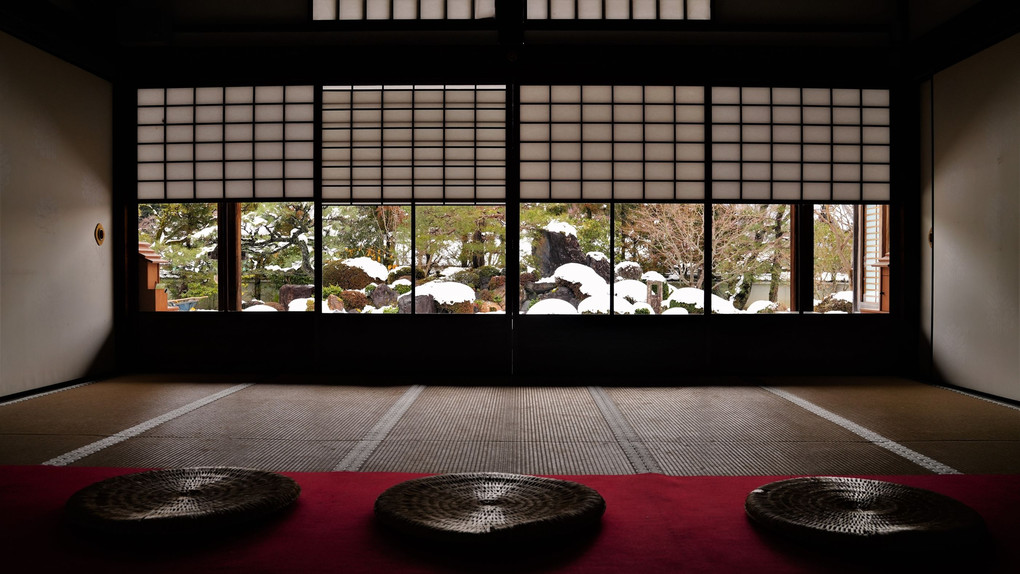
983,25
80,37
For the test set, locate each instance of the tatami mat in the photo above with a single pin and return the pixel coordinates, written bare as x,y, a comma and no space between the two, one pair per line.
762,427
176,452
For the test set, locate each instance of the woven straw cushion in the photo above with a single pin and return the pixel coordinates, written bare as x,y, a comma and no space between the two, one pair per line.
489,506
842,510
181,500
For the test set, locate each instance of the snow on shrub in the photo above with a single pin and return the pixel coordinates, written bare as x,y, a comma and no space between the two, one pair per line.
552,307
759,306
591,283
632,289
371,267
447,292
599,304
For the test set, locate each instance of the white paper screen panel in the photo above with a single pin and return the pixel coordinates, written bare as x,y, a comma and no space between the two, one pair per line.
631,143
238,142
399,143
403,9
793,144
619,9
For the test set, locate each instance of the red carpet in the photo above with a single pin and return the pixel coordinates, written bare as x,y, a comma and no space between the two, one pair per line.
653,524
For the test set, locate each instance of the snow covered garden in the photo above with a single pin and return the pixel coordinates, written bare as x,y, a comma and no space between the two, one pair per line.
648,259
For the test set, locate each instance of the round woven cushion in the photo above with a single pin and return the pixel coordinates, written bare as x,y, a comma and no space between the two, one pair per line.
489,506
181,500
835,509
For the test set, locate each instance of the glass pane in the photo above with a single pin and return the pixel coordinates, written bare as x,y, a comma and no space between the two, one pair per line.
659,257
751,271
277,256
366,258
565,268
177,256
460,256
834,258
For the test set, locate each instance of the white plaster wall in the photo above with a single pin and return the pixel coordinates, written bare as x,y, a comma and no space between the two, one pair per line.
56,304
976,293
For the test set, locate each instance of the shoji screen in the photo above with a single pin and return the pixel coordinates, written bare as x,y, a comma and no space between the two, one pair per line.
399,143
612,142
403,9
225,142
800,144
619,9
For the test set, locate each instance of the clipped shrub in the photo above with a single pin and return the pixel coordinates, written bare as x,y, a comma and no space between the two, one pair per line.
370,288
405,271
497,281
528,278
331,290
337,273
831,303
353,300
485,275
401,288
690,307
643,311
467,277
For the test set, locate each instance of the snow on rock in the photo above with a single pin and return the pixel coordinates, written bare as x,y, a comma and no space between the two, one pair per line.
557,226
759,306
401,282
624,265
675,311
447,292
652,276
260,308
299,304
371,267
633,289
596,256
590,281
552,307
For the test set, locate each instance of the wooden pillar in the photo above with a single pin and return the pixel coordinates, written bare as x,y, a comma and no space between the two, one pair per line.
229,216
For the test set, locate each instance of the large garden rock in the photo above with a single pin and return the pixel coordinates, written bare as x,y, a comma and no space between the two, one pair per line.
335,303
628,270
600,263
290,292
423,304
553,249
384,296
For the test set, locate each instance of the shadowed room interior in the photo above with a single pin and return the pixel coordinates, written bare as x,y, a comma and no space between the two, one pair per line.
847,172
